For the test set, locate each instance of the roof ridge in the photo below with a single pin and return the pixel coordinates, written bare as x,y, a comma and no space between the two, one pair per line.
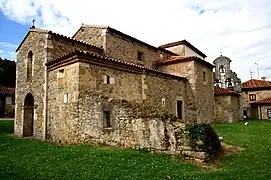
111,59
95,26
183,42
58,34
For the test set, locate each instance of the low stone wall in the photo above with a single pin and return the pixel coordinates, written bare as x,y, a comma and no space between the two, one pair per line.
132,128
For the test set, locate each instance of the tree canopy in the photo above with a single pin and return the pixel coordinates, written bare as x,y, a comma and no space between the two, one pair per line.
7,73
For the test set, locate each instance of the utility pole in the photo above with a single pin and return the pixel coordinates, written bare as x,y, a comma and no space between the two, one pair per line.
251,73
257,70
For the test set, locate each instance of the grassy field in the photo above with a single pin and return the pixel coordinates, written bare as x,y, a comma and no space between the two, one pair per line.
29,159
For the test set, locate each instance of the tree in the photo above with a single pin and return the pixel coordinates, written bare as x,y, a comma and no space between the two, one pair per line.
7,73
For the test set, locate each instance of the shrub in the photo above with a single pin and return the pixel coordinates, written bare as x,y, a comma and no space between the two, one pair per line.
203,138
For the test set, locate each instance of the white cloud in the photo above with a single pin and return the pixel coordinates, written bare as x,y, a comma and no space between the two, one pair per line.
238,29
7,51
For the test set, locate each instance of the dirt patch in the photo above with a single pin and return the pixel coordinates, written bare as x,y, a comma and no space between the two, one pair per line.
214,164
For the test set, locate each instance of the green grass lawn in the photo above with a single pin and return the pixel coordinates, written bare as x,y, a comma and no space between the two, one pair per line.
29,159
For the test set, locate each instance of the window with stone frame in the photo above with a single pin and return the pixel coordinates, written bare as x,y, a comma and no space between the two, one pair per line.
179,109
140,56
107,119
163,102
29,64
109,79
252,97
204,76
60,77
107,115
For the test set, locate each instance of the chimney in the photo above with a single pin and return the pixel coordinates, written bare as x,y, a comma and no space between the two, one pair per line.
263,78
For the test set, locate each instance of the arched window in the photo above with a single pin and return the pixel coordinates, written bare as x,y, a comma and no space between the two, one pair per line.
216,83
229,82
29,64
221,69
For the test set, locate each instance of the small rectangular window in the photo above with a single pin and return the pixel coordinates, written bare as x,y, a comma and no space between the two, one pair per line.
60,73
252,97
140,56
163,102
180,109
60,77
106,118
204,76
109,79
65,100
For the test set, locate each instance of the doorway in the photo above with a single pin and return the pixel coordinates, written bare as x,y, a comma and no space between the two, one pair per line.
28,121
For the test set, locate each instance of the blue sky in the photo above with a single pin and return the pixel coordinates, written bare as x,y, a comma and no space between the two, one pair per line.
241,29
11,34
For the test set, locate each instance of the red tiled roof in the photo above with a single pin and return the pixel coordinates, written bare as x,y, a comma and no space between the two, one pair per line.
176,59
255,83
224,91
59,35
9,91
115,61
186,43
264,101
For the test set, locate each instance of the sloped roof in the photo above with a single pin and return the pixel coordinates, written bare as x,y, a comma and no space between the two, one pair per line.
255,83
8,91
177,59
186,43
263,101
123,35
58,35
105,59
224,91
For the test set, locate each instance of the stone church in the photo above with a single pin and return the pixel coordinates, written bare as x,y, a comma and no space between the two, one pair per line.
102,85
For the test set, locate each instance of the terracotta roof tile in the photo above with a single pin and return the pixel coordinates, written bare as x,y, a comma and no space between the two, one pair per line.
9,91
124,35
224,91
59,35
255,83
263,101
176,59
79,52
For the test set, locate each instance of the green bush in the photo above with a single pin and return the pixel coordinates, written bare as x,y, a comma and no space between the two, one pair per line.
204,138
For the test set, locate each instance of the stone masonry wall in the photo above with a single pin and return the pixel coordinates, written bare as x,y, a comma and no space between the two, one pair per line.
132,86
204,93
237,108
91,35
34,85
201,92
260,94
63,122
227,109
126,50
81,120
222,109
119,47
263,110
44,47
126,130
58,46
